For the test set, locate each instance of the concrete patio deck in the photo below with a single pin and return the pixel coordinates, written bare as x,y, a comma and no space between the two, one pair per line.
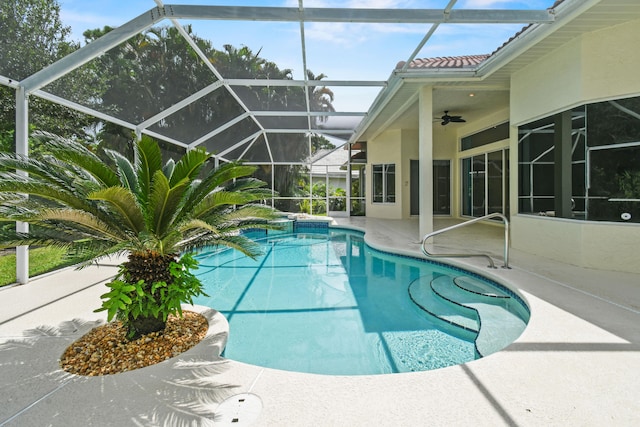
577,363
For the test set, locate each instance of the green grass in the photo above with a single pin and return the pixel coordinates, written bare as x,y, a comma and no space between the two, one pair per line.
41,260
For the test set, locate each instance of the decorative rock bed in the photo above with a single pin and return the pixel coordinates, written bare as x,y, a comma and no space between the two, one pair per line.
105,350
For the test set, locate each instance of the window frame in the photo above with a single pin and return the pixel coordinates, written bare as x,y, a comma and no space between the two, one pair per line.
386,172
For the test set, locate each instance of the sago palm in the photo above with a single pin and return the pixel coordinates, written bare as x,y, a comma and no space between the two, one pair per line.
151,211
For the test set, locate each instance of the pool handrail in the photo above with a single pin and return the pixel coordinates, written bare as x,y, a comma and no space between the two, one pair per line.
505,220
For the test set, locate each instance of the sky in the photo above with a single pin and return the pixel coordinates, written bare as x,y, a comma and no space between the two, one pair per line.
339,51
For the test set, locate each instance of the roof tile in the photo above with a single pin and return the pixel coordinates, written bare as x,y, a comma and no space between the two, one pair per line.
466,61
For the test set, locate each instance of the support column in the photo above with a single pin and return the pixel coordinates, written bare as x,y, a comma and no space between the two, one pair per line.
348,189
562,165
425,154
22,148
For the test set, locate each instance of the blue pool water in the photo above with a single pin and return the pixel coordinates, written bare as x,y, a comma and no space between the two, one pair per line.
324,302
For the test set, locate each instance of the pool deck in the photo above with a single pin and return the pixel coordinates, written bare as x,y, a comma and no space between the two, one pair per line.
576,364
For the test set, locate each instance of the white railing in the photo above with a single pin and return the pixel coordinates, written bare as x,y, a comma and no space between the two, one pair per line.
453,227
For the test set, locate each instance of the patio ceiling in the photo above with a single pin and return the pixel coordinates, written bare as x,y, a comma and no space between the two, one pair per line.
257,132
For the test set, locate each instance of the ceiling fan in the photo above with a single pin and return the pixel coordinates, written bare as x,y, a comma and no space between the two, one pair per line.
446,119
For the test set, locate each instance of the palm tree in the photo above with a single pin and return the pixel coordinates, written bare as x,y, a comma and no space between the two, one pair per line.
150,211
320,97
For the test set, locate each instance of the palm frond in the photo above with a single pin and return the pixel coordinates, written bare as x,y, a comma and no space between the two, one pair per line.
246,184
37,170
197,225
14,183
222,199
84,221
9,237
168,168
72,152
252,212
238,242
148,160
53,237
189,166
124,204
225,173
126,171
164,201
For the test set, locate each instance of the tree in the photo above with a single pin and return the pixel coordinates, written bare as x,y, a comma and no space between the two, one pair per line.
33,37
319,142
150,211
320,97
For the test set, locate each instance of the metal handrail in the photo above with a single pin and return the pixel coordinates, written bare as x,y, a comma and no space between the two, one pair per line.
491,263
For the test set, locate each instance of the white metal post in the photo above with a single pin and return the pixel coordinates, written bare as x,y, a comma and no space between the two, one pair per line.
349,180
326,188
425,137
22,148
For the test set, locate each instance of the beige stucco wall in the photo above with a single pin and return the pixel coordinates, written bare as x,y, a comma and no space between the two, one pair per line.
398,147
601,245
597,66
548,85
385,148
611,60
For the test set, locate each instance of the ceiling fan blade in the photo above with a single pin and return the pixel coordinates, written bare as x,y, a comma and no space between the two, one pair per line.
446,119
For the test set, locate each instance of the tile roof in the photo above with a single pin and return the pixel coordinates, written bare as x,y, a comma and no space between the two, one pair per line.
467,61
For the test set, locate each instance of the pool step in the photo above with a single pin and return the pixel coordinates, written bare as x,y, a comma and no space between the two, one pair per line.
477,287
470,304
421,292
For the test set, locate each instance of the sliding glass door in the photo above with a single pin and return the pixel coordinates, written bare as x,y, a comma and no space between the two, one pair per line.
485,183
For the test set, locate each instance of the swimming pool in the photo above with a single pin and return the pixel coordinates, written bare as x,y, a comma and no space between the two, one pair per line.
324,302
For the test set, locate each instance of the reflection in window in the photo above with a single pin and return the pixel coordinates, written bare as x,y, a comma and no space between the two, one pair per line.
384,183
605,163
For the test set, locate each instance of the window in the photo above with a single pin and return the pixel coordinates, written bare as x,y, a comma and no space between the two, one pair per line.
602,182
487,136
537,159
384,183
613,160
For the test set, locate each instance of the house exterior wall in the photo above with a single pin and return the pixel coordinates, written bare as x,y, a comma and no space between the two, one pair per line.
549,85
597,66
384,149
398,146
